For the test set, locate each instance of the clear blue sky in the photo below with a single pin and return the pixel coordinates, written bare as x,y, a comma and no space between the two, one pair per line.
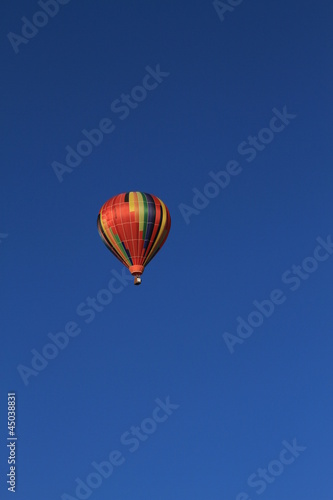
247,91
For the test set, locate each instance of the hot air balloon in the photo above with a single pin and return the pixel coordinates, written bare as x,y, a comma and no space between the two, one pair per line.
134,226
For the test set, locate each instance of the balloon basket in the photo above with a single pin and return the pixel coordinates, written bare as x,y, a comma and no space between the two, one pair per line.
136,271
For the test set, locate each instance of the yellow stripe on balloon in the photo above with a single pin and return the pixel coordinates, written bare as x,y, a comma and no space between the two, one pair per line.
141,211
131,202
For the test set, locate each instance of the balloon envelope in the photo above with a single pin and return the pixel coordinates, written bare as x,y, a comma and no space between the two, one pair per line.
134,226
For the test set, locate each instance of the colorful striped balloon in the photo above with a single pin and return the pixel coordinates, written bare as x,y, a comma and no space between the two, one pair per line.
134,226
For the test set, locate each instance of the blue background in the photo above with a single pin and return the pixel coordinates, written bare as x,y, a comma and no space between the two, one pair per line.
165,338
